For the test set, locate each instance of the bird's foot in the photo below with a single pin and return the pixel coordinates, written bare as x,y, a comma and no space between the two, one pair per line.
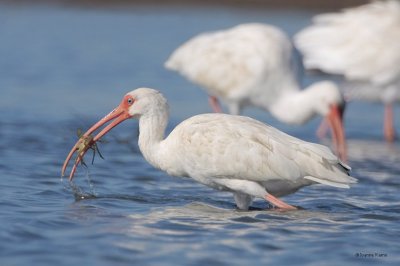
278,203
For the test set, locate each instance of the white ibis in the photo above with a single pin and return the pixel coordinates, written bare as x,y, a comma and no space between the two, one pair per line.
225,152
363,45
252,64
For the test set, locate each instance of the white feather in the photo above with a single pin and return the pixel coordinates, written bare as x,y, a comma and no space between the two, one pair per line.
361,43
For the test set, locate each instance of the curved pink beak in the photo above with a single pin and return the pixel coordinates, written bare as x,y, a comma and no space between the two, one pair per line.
118,115
335,119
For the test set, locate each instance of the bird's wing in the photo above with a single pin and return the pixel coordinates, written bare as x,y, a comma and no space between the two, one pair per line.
229,62
361,43
219,145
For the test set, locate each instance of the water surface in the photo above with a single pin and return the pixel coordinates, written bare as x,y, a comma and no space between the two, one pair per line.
63,68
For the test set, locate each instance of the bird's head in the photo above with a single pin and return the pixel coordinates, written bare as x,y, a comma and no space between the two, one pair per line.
327,96
139,102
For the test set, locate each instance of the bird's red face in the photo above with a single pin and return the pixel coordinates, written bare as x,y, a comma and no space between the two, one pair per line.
118,115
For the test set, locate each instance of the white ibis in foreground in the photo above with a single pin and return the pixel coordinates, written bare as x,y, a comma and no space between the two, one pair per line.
363,45
225,152
253,64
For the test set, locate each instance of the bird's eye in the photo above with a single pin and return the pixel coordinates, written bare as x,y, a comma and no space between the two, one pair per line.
130,101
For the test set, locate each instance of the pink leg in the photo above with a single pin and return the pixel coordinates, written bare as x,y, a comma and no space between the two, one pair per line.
215,104
388,127
278,203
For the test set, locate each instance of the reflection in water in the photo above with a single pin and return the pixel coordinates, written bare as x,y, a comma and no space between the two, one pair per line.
198,226
205,216
189,230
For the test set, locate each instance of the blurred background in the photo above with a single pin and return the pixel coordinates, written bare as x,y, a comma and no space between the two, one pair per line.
65,64
70,57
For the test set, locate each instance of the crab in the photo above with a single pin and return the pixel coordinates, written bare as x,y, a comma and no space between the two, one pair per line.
84,143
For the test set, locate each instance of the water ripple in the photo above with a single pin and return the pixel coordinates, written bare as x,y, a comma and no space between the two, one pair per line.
122,211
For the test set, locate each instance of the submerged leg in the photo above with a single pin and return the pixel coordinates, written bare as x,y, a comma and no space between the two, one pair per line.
243,188
388,127
243,201
278,203
214,103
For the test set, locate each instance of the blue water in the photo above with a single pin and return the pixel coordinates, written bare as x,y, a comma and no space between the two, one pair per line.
63,68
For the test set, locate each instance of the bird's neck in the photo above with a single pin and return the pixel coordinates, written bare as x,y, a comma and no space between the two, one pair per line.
294,107
151,134
274,88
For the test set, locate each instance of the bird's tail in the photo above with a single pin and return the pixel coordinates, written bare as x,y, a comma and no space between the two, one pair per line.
329,170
